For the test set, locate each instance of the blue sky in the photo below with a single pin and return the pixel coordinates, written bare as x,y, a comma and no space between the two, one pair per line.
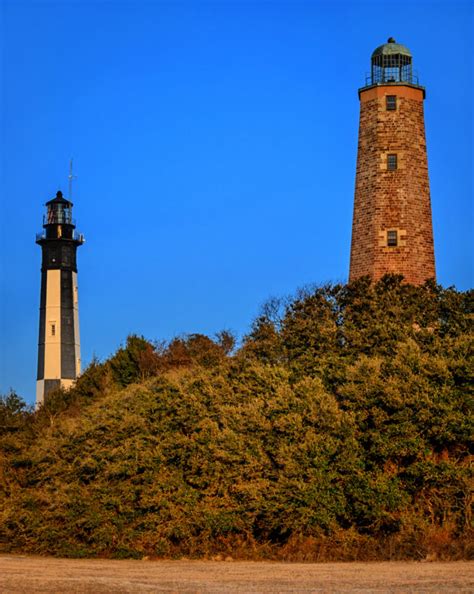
215,148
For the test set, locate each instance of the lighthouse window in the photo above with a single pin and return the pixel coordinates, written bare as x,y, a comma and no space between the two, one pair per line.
53,329
52,256
391,102
392,238
392,162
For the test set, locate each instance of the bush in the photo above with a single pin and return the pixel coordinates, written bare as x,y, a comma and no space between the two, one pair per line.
339,430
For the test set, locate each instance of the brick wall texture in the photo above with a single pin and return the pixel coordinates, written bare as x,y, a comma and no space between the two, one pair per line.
392,200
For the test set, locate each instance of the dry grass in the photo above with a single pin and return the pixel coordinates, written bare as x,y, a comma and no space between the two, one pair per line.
47,575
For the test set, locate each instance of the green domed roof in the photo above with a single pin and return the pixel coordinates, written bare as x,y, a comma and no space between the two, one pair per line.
391,48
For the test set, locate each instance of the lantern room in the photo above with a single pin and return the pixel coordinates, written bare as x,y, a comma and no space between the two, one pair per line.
391,64
58,222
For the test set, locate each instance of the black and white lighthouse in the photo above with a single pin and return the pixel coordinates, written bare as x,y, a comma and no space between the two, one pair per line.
59,355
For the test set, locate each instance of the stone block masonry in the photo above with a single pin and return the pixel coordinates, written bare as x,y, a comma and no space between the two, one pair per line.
392,229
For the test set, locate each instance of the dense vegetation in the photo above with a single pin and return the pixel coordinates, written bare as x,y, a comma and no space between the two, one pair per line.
339,429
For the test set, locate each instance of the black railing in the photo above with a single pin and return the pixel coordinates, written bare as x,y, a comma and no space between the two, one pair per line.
391,76
76,236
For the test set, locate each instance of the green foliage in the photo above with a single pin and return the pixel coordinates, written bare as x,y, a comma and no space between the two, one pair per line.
13,412
340,429
129,363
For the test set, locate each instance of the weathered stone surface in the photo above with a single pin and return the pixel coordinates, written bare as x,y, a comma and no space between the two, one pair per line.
392,200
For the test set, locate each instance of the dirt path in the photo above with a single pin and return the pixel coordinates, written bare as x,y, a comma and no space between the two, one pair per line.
32,575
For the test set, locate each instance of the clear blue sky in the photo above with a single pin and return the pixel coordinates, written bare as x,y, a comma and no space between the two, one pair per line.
215,148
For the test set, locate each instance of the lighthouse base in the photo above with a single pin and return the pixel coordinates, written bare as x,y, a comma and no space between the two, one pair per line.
45,386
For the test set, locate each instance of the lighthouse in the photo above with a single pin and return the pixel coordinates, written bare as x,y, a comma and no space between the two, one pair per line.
392,228
59,358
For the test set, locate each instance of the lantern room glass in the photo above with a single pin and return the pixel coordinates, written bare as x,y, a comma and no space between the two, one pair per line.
58,214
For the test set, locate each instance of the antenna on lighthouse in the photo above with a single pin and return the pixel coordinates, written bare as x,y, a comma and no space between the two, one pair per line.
71,178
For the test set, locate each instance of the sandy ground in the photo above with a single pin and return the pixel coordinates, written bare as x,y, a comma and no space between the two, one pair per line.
32,575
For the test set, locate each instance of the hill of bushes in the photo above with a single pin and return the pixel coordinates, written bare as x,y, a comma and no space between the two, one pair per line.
338,429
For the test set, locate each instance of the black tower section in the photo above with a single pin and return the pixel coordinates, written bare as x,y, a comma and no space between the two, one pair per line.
59,242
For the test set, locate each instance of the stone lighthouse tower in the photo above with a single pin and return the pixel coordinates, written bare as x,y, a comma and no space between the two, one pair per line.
59,358
391,229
